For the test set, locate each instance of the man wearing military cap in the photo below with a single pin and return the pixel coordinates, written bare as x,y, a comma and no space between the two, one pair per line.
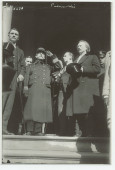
37,86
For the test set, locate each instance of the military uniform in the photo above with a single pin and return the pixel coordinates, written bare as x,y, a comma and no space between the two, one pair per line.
38,107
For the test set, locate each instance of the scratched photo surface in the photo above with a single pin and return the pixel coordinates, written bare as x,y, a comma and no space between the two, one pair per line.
49,115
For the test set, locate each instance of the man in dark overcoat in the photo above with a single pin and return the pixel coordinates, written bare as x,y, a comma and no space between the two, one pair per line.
84,86
13,56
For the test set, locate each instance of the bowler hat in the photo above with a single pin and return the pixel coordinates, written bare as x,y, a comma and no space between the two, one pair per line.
8,49
73,68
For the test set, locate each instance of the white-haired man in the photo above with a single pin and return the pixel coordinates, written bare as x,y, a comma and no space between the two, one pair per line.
84,86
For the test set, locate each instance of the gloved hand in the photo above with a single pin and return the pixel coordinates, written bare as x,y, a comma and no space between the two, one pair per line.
26,91
56,75
74,69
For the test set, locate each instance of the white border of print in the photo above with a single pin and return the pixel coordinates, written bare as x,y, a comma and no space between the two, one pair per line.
67,167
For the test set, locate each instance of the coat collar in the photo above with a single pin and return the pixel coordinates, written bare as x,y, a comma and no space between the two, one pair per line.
39,62
82,59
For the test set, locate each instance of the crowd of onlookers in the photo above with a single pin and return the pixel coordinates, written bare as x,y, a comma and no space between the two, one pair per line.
48,95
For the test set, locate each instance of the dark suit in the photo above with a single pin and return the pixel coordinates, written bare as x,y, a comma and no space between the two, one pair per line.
18,65
85,88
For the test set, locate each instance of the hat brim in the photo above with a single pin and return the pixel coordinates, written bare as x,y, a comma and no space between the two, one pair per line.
41,51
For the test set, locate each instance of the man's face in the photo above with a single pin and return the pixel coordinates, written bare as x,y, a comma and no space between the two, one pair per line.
13,36
28,61
40,56
81,47
102,59
67,58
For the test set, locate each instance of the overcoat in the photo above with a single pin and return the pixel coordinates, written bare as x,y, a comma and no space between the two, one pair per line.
18,64
83,88
38,107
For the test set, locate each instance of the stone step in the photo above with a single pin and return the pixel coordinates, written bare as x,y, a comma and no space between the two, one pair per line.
55,149
54,157
56,143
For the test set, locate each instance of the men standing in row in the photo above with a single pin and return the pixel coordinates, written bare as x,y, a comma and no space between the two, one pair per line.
14,57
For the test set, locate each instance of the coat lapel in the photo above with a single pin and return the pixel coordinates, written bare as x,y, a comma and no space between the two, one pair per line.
16,53
83,59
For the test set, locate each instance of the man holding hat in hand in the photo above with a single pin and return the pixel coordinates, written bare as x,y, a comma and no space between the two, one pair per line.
84,86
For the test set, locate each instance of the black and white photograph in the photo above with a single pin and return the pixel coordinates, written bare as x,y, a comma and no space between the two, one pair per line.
56,82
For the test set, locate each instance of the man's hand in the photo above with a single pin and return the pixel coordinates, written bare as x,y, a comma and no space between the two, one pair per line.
106,101
20,78
49,53
26,91
56,76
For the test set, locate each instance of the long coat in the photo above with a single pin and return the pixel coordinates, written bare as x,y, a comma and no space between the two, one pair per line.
19,66
8,99
85,88
38,107
18,63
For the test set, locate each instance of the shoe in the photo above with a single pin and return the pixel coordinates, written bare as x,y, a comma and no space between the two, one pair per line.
5,132
39,134
28,133
78,134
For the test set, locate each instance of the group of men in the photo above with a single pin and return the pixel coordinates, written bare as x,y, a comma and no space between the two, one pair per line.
68,88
